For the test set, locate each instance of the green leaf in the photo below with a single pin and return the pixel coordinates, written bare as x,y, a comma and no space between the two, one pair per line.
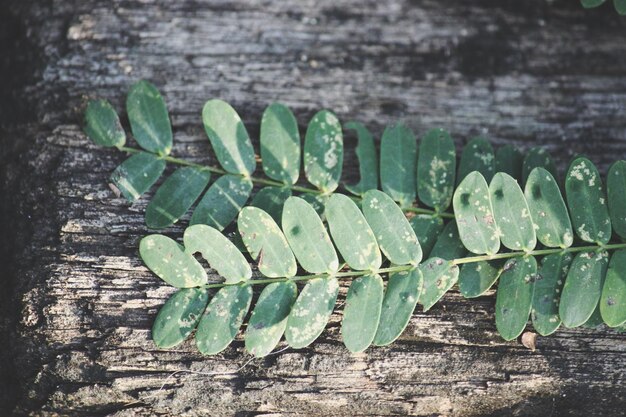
222,201
588,4
166,259
478,156
221,254
620,6
548,286
398,161
311,311
308,238
361,314
223,318
511,213
179,316
613,299
271,200
548,210
352,235
448,246
148,117
474,215
368,161
595,320
280,144
616,191
403,291
393,232
427,228
317,201
137,174
587,202
583,287
102,124
476,278
515,295
439,276
269,317
323,151
175,196
265,241
229,138
509,160
538,157
436,169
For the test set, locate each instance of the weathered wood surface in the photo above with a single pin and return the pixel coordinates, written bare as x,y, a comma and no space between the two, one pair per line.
77,304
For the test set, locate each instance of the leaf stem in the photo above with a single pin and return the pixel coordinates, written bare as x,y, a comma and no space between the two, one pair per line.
272,183
399,268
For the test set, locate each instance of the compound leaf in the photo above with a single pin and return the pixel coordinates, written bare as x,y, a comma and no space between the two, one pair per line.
269,317
222,201
538,157
323,151
311,311
271,200
448,245
280,144
613,299
148,117
265,241
102,124
427,228
616,192
175,196
179,316
548,286
308,238
514,296
368,161
436,169
221,254
393,232
509,160
361,314
137,174
229,137
398,160
476,278
439,276
168,261
478,156
222,318
352,235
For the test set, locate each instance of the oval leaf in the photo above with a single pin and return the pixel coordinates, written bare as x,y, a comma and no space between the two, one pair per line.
175,196
511,213
476,278
587,202
229,137
368,160
308,238
223,318
361,314
439,276
616,191
613,299
323,151
317,201
269,317
583,287
474,215
436,169
548,210
271,200
398,161
403,291
221,254
166,259
280,144
427,228
538,157
393,232
222,201
311,311
265,241
137,174
548,286
352,235
148,117
509,160
478,156
448,245
102,124
514,297
179,316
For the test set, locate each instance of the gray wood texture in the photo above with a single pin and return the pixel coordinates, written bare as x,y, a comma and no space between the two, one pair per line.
76,304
